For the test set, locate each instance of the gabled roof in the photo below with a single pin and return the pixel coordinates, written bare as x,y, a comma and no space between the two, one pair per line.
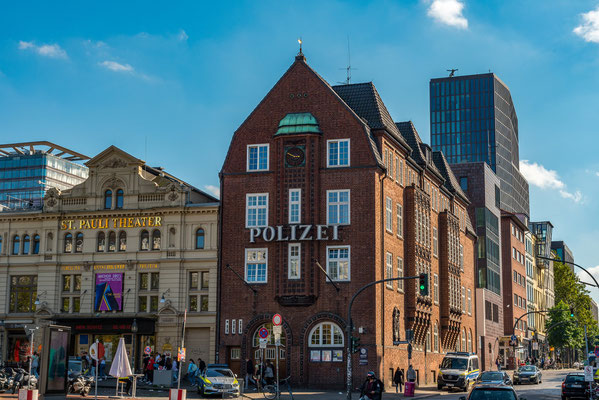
365,100
409,132
451,182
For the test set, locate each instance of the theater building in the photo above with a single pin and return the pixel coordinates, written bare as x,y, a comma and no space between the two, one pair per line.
322,176
123,253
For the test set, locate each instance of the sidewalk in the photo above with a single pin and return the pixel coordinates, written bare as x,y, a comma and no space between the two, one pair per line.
421,393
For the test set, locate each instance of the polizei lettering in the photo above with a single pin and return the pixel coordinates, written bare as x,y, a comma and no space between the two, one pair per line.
285,233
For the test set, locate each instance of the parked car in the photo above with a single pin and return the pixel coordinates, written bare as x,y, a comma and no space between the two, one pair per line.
574,386
495,392
494,377
218,379
528,373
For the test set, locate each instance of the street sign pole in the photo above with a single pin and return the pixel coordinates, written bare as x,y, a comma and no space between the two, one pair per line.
277,362
96,377
183,347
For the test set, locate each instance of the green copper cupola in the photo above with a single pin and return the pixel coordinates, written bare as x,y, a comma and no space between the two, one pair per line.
298,123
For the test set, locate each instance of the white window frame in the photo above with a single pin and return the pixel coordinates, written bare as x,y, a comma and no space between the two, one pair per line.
389,270
258,146
396,169
469,301
329,142
389,214
297,258
461,257
246,264
401,173
337,204
334,327
435,242
400,274
436,338
329,248
233,327
239,326
436,288
248,208
297,204
463,300
399,210
226,327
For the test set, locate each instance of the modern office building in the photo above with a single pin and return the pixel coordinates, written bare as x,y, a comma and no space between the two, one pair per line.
543,232
321,177
28,169
564,253
595,310
482,188
473,119
123,253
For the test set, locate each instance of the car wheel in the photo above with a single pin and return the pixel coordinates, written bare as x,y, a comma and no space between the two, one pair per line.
439,387
466,386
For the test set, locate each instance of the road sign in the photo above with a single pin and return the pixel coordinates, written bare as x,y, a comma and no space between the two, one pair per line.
588,373
96,351
277,329
597,351
263,333
147,350
277,319
181,354
514,338
263,342
277,341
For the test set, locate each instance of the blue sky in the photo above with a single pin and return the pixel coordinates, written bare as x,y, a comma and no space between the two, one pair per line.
171,83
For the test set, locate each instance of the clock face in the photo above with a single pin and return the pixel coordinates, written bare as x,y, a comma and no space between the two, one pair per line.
295,156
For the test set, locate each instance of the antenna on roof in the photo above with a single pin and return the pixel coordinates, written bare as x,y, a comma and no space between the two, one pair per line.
452,72
349,68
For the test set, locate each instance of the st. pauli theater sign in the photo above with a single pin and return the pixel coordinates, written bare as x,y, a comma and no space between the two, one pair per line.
111,223
284,233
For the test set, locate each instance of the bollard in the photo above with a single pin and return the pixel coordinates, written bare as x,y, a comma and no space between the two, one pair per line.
28,394
177,394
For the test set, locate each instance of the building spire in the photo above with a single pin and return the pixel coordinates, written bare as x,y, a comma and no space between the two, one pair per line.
300,55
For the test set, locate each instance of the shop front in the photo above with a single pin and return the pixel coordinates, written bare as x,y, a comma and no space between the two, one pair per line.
17,341
139,333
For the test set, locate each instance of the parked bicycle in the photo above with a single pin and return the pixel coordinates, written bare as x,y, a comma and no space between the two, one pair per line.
270,391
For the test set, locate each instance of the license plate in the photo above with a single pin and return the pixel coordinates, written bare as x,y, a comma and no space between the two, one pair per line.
450,385
576,386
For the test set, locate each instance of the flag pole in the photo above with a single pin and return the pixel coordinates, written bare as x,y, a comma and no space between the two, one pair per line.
182,348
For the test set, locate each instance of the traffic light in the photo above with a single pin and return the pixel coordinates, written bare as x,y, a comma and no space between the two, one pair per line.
572,312
355,343
423,284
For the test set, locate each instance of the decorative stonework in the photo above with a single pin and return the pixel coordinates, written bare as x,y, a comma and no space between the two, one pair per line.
115,163
113,182
173,195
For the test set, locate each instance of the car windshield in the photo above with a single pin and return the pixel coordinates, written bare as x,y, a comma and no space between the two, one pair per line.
454,363
75,366
219,372
528,368
492,394
574,378
492,376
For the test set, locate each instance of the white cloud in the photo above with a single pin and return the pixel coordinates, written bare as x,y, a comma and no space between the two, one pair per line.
182,36
593,270
214,190
448,12
46,50
543,178
589,29
597,173
117,67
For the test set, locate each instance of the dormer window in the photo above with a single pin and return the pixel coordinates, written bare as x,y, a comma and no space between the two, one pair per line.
108,199
119,198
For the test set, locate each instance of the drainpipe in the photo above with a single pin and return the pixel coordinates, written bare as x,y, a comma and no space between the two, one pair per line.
383,261
219,269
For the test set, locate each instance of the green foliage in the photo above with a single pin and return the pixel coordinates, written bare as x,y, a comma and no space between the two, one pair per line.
568,331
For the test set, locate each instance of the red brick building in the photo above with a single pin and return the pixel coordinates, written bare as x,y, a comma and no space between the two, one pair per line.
321,175
513,260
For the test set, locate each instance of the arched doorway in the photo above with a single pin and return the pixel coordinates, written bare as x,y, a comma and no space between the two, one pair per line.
325,355
269,353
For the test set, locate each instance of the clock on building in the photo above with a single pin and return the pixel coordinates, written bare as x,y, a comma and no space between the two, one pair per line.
295,156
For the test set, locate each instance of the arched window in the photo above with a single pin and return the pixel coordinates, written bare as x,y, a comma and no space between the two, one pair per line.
326,334
26,243
156,240
469,348
144,242
108,199
271,338
436,338
464,340
101,242
119,198
200,239
36,244
122,241
79,242
68,243
16,242
111,241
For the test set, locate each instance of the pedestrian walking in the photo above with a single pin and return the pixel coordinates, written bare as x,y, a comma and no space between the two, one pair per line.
498,363
269,373
201,365
372,388
192,372
411,374
249,372
398,380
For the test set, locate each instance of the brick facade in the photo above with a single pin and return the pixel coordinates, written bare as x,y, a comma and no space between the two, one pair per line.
377,249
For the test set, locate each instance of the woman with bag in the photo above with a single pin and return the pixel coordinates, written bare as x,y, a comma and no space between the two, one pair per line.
398,380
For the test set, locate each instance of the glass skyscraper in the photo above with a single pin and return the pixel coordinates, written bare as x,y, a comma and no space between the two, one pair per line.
27,170
473,119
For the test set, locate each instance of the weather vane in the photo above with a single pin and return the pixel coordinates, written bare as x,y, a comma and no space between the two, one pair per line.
299,40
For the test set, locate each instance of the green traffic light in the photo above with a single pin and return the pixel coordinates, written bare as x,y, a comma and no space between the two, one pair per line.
421,287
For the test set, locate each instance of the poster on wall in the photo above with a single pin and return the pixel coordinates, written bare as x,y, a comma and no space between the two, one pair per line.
326,355
109,292
337,355
315,355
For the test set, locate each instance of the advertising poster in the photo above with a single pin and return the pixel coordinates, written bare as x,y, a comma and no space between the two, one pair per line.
57,361
326,355
315,355
337,355
109,292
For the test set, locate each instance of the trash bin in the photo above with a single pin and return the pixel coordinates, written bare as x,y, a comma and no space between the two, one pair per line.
409,392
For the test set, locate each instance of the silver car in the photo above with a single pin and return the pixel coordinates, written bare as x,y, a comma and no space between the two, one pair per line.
218,379
528,373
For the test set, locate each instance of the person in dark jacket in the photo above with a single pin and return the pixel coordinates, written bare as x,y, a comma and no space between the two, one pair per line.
398,380
372,388
249,373
202,365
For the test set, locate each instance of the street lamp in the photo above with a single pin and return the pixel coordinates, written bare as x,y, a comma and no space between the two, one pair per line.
37,299
162,299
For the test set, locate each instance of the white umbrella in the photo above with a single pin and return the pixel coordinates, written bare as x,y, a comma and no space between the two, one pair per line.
120,367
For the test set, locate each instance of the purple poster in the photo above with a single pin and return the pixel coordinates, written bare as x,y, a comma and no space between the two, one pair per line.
109,292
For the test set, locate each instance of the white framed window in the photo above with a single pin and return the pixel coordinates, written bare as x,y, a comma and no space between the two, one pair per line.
294,261
389,214
256,265
389,270
461,257
338,263
391,164
233,327
338,207
257,157
338,153
326,334
436,338
463,300
295,206
401,173
397,169
400,274
436,288
226,327
240,326
469,301
435,242
256,210
386,160
399,221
